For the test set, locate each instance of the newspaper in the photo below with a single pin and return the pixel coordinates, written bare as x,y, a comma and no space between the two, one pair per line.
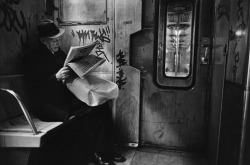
88,88
81,61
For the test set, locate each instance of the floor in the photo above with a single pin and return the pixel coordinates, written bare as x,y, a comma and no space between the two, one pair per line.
135,156
150,156
65,151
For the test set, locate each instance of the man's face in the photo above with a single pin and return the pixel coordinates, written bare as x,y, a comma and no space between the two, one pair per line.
53,44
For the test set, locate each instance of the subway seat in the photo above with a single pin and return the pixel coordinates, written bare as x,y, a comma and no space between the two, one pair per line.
18,128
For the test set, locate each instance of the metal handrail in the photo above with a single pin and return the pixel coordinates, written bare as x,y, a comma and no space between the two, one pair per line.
23,108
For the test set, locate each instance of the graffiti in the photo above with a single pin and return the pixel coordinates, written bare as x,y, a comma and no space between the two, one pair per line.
11,20
127,22
158,134
225,50
82,35
93,35
73,33
121,80
231,35
12,2
236,60
100,50
104,34
121,59
222,10
100,36
241,25
240,16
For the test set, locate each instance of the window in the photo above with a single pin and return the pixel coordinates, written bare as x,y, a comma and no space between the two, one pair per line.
83,11
178,39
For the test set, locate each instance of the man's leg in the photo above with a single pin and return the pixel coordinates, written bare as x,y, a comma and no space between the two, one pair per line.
100,132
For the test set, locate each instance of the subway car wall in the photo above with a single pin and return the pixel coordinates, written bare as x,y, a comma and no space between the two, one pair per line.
182,67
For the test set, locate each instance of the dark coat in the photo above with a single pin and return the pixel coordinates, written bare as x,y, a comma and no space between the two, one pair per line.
51,100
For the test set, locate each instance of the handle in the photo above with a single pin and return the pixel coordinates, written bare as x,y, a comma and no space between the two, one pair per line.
205,51
205,55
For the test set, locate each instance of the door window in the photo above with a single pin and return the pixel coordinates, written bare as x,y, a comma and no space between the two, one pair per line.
178,39
175,59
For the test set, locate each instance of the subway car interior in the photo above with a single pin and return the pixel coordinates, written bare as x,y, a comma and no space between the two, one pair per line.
181,69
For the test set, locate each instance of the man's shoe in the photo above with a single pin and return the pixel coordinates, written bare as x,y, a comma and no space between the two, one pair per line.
100,159
115,156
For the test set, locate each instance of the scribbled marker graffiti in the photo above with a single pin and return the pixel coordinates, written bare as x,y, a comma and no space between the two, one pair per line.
121,79
11,20
223,10
100,50
240,16
101,36
233,40
241,25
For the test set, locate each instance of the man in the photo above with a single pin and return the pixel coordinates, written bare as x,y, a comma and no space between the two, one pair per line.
52,101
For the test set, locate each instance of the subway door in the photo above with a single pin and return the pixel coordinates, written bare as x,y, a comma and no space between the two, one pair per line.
174,58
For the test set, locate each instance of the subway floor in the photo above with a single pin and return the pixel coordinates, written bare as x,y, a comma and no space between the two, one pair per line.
74,150
152,156
64,155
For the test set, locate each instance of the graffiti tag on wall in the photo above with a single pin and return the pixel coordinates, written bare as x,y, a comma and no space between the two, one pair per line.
121,79
222,10
100,36
233,49
236,37
13,20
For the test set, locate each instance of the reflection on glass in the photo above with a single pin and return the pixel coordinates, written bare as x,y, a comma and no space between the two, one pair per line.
178,39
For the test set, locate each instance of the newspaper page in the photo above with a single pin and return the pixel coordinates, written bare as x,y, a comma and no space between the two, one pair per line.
86,64
78,52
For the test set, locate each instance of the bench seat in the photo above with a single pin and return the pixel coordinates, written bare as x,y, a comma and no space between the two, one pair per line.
21,139
25,139
17,132
18,128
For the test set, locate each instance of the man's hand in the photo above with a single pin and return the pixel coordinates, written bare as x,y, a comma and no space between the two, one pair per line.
63,74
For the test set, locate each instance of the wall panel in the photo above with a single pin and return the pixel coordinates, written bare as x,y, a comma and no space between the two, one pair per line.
236,92
127,21
89,27
18,20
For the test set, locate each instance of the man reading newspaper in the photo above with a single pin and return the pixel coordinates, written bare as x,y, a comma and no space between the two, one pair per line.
52,100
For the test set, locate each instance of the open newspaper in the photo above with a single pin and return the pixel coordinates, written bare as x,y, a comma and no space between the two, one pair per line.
88,88
81,61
